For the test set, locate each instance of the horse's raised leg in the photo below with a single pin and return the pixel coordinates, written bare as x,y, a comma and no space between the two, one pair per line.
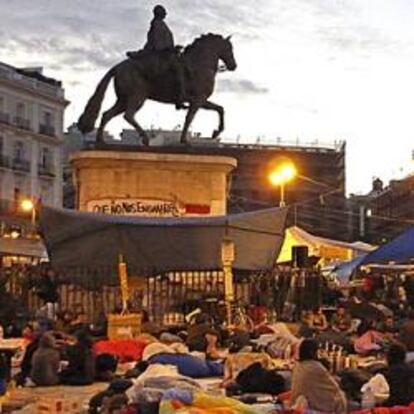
188,119
220,110
116,109
133,106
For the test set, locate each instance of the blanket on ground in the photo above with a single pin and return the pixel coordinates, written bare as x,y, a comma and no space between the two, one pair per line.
189,365
126,350
198,402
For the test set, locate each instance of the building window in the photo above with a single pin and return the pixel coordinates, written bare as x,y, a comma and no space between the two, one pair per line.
20,119
48,118
18,151
17,195
45,157
20,110
4,117
47,123
45,193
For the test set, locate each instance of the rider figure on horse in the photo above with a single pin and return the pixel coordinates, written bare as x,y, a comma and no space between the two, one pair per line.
160,40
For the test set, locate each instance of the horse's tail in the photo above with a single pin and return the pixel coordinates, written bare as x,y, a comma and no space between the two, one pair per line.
86,122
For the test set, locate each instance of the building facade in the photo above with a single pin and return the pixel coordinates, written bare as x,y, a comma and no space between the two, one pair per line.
31,138
386,211
316,197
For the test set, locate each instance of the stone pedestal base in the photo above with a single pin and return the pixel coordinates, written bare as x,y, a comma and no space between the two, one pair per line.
151,184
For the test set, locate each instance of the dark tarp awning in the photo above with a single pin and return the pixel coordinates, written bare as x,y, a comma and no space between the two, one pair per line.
398,250
157,245
22,247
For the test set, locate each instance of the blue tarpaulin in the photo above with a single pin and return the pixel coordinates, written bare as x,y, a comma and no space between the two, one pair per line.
399,250
344,271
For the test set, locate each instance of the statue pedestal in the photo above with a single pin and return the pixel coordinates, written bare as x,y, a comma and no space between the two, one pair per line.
151,184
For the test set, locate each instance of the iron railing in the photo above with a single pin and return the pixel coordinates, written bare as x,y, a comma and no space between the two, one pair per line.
19,164
22,123
47,130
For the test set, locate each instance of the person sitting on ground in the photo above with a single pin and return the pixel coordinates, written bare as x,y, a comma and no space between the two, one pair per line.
99,328
341,321
212,350
45,362
147,326
313,387
305,329
260,317
388,328
318,320
400,376
78,323
407,335
28,351
196,340
81,361
64,321
369,340
3,374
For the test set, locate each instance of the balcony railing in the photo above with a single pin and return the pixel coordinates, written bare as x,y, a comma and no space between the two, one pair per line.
47,130
4,161
20,164
22,123
45,170
4,118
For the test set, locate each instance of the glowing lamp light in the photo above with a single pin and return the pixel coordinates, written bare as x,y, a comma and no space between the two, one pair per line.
14,234
27,205
283,174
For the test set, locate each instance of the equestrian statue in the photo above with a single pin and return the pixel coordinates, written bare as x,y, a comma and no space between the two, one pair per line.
163,73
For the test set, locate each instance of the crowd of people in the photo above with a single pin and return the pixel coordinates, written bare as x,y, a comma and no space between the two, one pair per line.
61,347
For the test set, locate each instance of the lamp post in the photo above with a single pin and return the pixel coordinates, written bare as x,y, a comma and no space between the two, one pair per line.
227,258
280,176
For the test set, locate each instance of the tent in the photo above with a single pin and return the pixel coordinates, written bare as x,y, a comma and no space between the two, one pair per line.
327,249
343,271
77,239
398,250
23,247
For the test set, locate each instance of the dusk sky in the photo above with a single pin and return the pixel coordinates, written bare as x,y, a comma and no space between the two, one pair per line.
313,70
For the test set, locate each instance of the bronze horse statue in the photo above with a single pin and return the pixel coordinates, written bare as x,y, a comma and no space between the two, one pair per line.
134,84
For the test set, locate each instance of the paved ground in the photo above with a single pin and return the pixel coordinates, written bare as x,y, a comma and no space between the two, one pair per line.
44,394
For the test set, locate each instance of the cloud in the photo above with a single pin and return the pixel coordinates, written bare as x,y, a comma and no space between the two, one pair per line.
240,86
357,38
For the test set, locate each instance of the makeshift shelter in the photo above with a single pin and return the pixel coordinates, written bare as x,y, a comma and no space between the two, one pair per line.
398,250
327,249
151,246
23,248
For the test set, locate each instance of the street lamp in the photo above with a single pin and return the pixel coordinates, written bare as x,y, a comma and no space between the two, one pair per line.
280,176
28,206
